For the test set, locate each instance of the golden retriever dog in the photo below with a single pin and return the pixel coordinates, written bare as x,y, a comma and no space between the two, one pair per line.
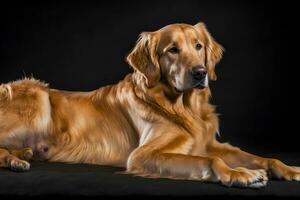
157,122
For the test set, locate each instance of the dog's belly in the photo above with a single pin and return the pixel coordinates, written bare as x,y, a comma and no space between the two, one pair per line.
24,139
100,148
107,151
101,151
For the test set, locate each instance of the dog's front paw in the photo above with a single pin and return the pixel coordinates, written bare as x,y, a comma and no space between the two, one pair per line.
18,165
294,174
243,177
279,170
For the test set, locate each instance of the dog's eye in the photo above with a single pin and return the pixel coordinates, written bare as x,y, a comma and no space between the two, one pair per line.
174,50
198,46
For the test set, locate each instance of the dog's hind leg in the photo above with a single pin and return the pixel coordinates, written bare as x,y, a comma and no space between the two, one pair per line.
25,115
24,153
8,160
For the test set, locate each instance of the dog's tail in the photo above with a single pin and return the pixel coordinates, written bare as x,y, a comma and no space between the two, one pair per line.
5,92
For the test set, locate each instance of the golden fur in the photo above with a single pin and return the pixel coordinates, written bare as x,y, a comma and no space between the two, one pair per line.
154,122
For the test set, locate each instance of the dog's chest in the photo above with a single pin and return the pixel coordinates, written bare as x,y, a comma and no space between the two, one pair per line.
202,128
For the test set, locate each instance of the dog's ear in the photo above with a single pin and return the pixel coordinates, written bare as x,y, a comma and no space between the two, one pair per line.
214,51
143,58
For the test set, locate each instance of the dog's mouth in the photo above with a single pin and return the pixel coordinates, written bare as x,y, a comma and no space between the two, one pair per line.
200,85
177,90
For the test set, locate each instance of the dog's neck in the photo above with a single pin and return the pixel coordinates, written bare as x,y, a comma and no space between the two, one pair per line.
165,99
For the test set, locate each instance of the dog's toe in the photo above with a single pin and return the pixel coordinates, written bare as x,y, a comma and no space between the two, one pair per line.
28,154
19,165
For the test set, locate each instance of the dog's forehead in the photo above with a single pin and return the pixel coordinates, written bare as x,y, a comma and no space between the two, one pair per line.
178,33
177,26
178,29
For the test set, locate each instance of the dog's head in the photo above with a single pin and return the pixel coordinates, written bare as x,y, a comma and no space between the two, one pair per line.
179,55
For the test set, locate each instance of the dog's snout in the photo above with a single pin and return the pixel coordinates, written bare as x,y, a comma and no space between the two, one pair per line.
198,72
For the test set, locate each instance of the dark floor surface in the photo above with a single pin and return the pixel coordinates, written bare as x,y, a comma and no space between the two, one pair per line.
80,179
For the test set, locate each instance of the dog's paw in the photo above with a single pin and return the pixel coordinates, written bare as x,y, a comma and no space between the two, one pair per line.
27,154
243,177
291,174
281,171
19,165
294,175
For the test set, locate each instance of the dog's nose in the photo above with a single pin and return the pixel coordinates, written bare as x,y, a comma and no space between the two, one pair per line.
198,72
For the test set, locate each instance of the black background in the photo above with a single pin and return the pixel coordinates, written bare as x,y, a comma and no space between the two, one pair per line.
82,46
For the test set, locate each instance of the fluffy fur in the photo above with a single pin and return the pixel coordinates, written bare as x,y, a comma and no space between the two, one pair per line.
153,122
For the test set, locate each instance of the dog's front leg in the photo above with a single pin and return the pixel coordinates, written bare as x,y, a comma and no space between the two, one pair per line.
235,157
167,157
8,160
